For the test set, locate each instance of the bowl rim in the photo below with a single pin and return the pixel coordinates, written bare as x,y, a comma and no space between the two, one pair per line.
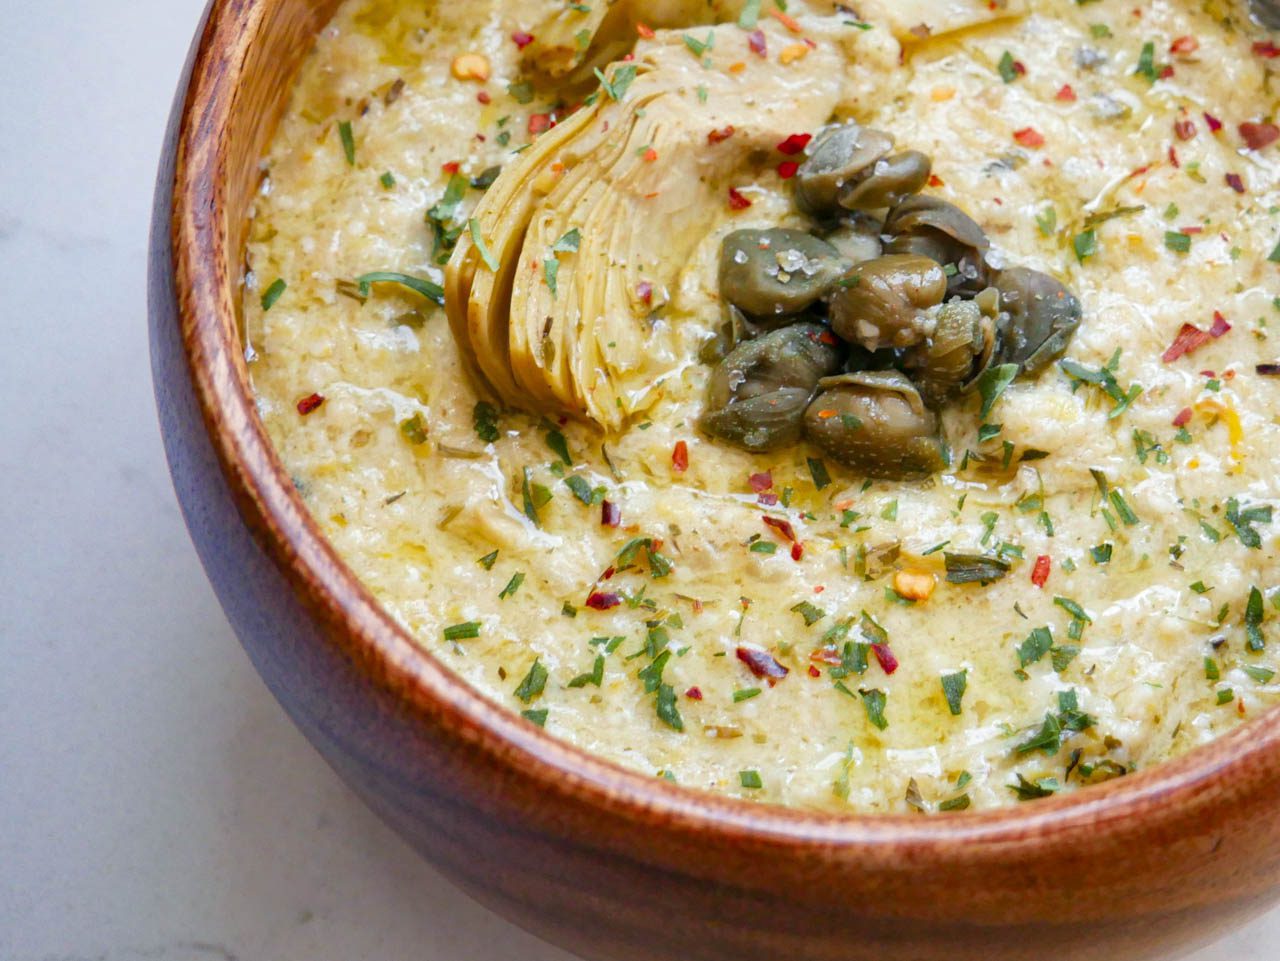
206,277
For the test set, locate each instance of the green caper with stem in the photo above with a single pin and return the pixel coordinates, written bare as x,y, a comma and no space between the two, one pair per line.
957,352
931,227
858,236
888,182
837,159
884,303
876,424
758,394
1038,318
773,275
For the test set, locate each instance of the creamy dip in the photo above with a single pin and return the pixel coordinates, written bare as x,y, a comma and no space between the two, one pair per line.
744,623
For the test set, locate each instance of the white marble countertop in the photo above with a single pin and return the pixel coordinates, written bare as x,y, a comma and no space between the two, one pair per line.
155,802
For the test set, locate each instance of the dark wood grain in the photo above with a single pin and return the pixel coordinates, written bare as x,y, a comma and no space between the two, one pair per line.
609,864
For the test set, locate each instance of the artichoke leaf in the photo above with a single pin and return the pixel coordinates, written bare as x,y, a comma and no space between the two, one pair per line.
640,185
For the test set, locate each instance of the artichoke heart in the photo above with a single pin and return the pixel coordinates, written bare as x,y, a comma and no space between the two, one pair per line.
604,211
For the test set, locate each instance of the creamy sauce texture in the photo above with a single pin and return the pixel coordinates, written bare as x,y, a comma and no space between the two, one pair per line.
1101,143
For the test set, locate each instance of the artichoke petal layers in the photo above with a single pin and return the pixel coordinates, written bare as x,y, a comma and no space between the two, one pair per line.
641,183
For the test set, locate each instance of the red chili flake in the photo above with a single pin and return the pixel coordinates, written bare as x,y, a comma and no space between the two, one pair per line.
814,672
935,181
1029,137
737,201
720,136
1166,72
310,404
1190,231
694,694
761,482
797,552
644,290
1173,157
610,514
484,97
680,457
645,31
787,21
1019,68
1067,94
522,39
1259,135
888,662
539,123
795,144
599,601
1184,417
650,155
1235,183
787,169
1184,129
1190,339
608,573
762,664
826,655
1184,45
768,500
452,167
1220,325
758,43
1266,48
1040,573
783,527
1214,123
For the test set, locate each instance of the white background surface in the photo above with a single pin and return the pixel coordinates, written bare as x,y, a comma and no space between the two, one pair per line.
155,804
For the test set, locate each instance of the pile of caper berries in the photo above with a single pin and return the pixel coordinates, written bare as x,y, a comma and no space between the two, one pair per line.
854,335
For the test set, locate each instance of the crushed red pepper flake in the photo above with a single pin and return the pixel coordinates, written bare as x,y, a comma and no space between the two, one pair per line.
762,664
1214,123
610,514
452,167
1029,137
309,405
795,144
936,181
522,39
1040,573
1235,183
788,169
721,135
680,457
1258,136
645,31
600,601
484,97
814,672
1066,94
782,526
761,482
737,200
888,663
1184,129
1184,45
1184,417
1267,49
694,694
758,43
539,123
787,21
644,290
1191,338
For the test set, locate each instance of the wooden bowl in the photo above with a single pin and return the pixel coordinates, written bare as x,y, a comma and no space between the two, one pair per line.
607,863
